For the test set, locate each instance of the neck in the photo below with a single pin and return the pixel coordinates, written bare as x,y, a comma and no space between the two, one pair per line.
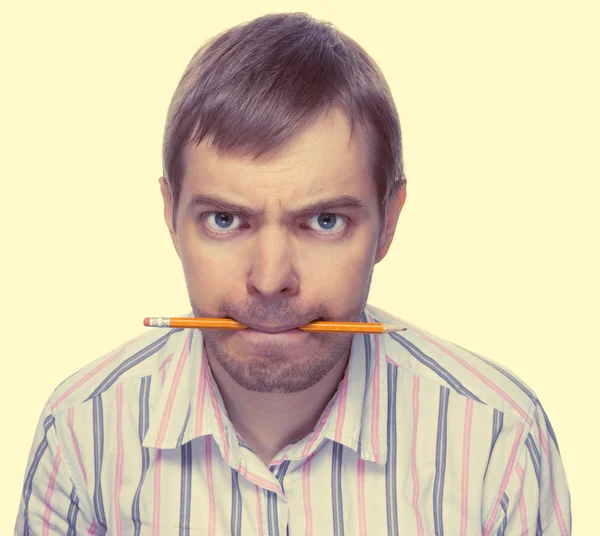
269,422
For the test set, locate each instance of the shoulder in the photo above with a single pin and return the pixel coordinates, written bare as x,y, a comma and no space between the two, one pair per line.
140,356
463,371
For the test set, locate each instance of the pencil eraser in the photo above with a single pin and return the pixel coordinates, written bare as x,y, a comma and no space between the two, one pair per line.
146,321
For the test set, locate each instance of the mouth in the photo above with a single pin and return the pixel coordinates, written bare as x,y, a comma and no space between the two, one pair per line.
275,329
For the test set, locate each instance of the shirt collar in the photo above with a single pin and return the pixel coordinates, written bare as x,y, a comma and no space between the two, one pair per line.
356,416
190,405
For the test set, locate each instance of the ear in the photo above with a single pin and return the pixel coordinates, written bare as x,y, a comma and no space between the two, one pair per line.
167,196
393,210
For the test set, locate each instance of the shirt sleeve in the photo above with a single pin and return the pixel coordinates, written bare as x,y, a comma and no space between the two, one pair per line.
537,499
49,503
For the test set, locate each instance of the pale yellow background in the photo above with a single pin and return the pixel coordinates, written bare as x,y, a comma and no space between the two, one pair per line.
497,247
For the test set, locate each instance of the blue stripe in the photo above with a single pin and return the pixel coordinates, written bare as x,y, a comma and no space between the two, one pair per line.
440,462
498,423
496,429
28,485
236,505
131,362
550,429
243,444
337,504
281,472
98,457
435,366
272,517
72,513
534,454
272,521
391,498
184,427
143,423
504,504
186,489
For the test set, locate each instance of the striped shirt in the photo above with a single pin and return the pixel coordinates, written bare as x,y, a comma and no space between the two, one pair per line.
422,437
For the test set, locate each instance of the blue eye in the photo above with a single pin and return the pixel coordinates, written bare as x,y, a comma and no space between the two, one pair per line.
225,222
327,221
221,220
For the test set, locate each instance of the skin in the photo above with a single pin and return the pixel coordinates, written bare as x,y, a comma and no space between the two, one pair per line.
276,268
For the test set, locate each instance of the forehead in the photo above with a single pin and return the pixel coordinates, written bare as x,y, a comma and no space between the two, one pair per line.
321,159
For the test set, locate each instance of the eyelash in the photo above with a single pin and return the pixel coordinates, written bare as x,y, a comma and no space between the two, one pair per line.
204,216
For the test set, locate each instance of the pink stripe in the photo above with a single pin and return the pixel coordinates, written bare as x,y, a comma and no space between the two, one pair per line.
466,462
415,471
375,405
511,463
306,497
557,509
255,479
360,493
93,528
483,378
212,514
157,469
166,362
92,373
317,431
49,492
70,422
202,380
259,512
522,506
392,360
156,504
174,386
163,375
341,414
278,461
119,463
217,412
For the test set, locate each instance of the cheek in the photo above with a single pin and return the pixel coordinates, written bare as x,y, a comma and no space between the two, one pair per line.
341,275
209,270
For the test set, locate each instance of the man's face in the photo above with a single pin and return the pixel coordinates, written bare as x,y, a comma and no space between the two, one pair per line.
250,251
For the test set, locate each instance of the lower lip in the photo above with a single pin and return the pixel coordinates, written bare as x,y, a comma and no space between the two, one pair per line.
290,335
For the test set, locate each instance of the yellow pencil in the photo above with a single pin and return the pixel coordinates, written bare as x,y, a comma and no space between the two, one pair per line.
226,323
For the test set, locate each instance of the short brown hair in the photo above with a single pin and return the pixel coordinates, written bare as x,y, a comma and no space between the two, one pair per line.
253,87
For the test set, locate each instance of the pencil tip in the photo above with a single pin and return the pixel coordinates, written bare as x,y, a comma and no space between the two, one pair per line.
388,328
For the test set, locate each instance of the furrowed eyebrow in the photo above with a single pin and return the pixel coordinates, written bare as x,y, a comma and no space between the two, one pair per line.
324,205
219,203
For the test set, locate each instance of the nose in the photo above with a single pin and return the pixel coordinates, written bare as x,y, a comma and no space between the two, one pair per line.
272,266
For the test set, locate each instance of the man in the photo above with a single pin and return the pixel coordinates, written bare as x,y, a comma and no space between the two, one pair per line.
283,183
